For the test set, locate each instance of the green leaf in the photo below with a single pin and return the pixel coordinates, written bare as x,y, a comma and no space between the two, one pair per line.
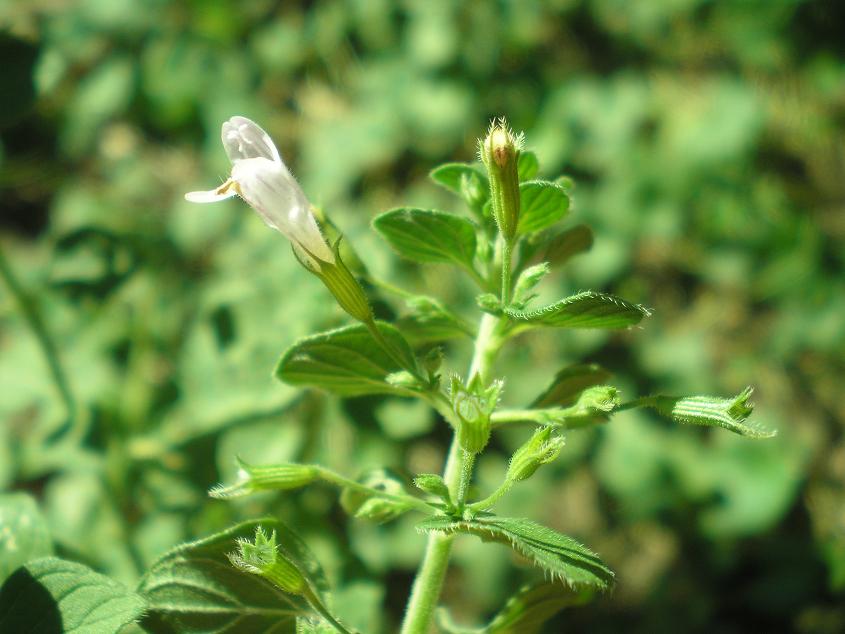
527,165
710,411
466,180
313,625
567,244
428,236
431,322
345,361
54,595
194,588
533,605
541,205
584,310
24,536
526,611
557,554
569,383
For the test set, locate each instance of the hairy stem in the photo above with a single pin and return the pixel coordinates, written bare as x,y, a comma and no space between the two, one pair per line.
429,580
507,255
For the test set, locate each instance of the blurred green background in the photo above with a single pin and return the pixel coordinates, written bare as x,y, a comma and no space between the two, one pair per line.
138,332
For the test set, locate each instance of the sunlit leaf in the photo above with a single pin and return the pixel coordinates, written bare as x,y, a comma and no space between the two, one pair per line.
542,204
588,309
346,361
54,595
561,556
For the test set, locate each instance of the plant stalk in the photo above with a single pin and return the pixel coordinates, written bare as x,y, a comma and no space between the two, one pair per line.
428,583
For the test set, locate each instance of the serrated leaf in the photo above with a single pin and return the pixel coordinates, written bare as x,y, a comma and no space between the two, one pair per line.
425,235
584,310
542,204
466,180
568,243
23,532
54,595
555,553
711,411
527,165
345,361
525,612
569,383
194,588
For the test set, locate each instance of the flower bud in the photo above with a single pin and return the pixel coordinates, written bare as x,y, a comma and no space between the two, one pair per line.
433,484
280,477
369,505
540,449
499,151
263,558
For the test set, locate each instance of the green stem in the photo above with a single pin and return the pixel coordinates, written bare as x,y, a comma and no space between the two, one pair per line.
491,499
467,464
327,475
429,580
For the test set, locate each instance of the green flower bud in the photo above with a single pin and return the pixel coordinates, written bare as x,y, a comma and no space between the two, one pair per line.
540,449
263,558
499,151
366,505
280,477
434,485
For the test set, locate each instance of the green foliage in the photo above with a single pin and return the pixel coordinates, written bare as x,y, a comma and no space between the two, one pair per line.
588,309
542,204
24,535
556,554
346,361
194,588
55,595
428,236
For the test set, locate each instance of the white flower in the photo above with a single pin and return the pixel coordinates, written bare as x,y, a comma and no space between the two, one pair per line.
261,178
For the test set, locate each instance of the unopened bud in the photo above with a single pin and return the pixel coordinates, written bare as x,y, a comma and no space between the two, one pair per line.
280,477
499,152
473,405
540,449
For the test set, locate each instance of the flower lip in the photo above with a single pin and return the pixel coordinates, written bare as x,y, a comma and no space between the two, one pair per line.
244,139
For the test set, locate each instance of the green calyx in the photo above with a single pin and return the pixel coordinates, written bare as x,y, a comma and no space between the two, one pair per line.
543,447
499,151
262,557
473,404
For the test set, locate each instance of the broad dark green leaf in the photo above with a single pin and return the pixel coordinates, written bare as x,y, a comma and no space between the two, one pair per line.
567,244
194,588
569,383
541,204
425,235
346,361
466,180
527,165
24,535
561,556
584,310
711,411
51,595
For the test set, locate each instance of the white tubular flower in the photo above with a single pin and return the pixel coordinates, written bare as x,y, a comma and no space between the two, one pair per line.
260,177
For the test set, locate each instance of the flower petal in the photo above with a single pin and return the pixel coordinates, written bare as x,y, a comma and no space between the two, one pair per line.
244,139
211,196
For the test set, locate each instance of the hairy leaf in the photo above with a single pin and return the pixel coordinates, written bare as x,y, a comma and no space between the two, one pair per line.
557,554
24,535
541,204
54,595
194,587
346,361
466,180
527,165
569,383
584,310
428,236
